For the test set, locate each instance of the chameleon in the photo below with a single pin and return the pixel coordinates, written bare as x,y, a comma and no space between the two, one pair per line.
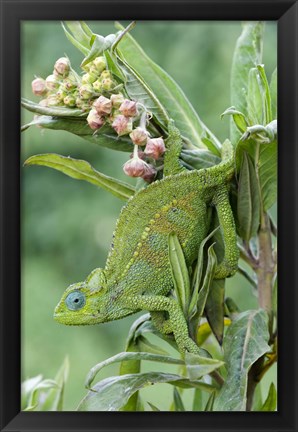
137,275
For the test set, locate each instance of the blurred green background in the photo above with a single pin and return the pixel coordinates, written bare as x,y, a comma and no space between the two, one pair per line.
67,225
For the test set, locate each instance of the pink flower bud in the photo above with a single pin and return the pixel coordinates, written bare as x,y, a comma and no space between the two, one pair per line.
117,100
150,175
103,106
136,167
39,86
155,147
62,66
122,125
139,136
129,108
51,82
94,120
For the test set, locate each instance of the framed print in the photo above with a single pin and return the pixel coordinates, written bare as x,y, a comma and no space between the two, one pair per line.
147,158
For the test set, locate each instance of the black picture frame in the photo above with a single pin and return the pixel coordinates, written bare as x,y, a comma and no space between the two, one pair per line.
12,13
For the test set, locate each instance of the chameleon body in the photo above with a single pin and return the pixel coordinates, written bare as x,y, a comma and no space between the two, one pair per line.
137,275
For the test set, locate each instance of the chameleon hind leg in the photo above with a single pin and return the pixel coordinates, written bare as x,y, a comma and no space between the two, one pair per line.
173,143
162,324
176,322
229,264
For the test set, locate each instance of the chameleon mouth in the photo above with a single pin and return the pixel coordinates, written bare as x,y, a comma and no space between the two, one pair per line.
65,319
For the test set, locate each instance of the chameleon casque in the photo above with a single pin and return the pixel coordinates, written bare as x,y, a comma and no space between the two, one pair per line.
137,275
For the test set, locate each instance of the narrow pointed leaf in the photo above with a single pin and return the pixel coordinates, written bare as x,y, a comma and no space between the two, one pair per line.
273,94
178,403
197,404
210,402
80,32
198,158
198,366
99,45
255,98
112,393
84,49
215,308
179,272
153,407
168,92
82,170
248,204
267,114
52,111
247,54
271,400
245,342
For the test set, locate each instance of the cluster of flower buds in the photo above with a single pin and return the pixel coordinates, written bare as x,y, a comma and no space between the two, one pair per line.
65,88
95,93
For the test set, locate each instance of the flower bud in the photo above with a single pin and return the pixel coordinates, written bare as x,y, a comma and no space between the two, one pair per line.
149,176
105,74
136,167
107,84
53,100
117,100
70,101
69,85
155,147
61,95
97,86
62,66
39,86
94,120
139,136
103,106
129,108
52,83
88,78
122,125
99,63
86,91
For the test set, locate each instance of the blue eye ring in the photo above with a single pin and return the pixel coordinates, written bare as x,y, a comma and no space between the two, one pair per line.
75,300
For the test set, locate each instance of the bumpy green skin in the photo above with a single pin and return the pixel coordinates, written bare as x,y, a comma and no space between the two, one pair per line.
137,275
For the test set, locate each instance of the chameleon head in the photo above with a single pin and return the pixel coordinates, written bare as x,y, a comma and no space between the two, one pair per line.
81,302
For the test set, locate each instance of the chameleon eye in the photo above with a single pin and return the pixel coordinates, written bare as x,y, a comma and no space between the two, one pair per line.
75,300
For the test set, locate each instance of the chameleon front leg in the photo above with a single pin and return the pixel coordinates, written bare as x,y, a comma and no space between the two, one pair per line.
229,264
176,322
172,164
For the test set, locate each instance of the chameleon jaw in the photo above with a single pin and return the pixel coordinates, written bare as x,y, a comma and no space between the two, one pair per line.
80,319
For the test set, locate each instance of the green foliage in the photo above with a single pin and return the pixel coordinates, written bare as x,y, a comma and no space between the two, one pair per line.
203,300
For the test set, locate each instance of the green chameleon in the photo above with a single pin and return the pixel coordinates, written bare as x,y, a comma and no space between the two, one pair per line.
138,275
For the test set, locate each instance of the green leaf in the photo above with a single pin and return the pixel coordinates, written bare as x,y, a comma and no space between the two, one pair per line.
247,54
167,91
35,401
54,399
112,393
201,298
238,117
255,98
83,47
178,403
198,366
248,204
153,407
197,404
267,113
215,308
271,400
244,343
82,170
27,388
129,356
99,45
106,137
138,90
273,94
210,402
80,31
52,111
198,159
179,272
265,157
